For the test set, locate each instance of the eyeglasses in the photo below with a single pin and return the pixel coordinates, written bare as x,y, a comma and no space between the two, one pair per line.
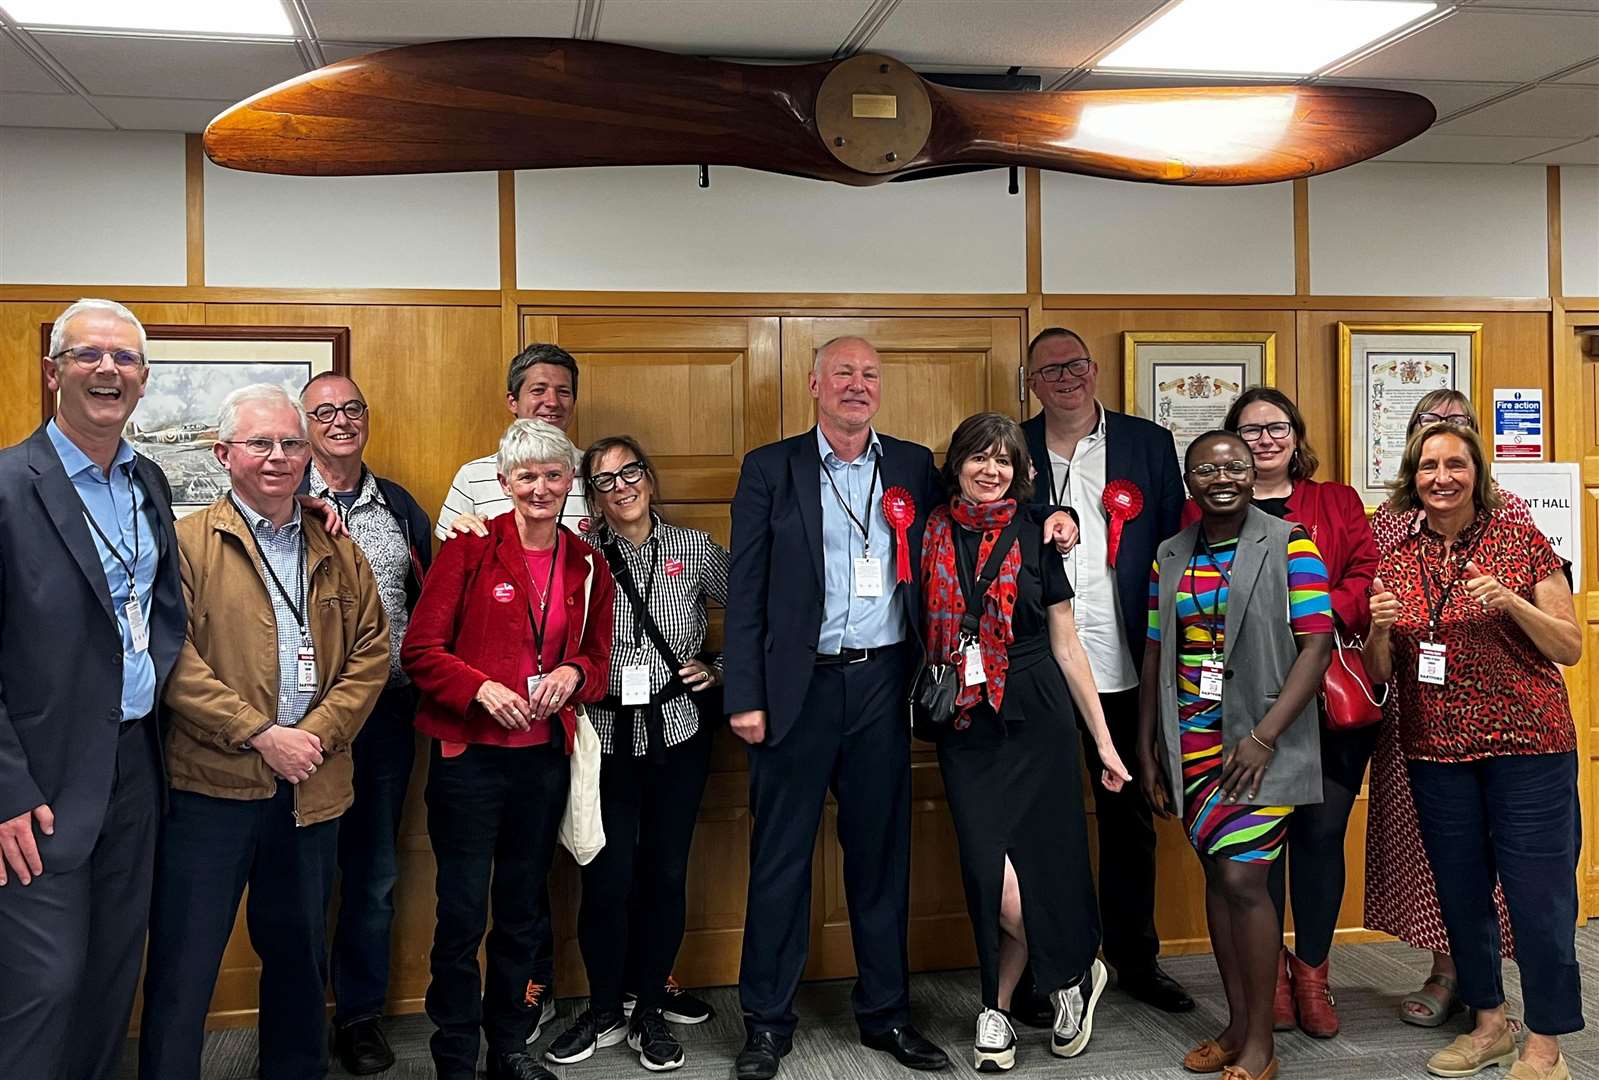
326,412
1207,471
1056,372
1457,419
89,356
1281,429
262,447
629,474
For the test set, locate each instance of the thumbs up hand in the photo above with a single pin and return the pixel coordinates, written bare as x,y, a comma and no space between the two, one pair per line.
1486,589
1384,606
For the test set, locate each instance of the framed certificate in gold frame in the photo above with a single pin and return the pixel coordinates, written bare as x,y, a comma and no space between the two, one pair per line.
1185,381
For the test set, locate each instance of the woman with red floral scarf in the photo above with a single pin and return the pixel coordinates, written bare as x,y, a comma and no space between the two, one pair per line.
1009,758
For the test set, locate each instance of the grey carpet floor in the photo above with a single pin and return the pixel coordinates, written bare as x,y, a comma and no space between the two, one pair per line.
1130,1040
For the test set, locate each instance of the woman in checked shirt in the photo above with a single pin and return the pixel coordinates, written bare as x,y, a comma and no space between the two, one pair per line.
657,754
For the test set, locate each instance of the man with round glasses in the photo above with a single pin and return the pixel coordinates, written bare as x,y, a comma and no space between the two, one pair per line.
392,531
1120,473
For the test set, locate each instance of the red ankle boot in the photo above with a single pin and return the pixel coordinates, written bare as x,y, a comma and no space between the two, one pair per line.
1312,1000
1283,1005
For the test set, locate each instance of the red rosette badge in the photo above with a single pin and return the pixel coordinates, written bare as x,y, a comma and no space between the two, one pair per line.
1123,502
899,509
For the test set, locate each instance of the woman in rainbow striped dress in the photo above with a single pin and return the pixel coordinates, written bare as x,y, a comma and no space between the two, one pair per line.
1229,713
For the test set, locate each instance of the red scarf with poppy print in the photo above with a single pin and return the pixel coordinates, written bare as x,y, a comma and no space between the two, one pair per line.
945,606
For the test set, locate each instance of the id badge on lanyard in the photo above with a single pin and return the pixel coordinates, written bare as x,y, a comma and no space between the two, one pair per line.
305,668
1431,664
137,627
868,577
635,684
972,673
1211,673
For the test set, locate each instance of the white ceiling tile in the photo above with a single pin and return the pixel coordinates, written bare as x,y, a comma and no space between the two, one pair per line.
1435,146
20,73
1487,45
1026,32
173,68
1584,76
812,29
50,111
1582,153
1570,111
430,20
1447,97
160,114
1110,80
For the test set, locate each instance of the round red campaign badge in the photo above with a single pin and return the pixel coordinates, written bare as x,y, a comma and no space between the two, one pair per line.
584,524
505,592
1123,502
899,510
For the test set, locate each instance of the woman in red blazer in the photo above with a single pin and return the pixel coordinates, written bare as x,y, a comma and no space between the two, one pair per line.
511,631
1274,428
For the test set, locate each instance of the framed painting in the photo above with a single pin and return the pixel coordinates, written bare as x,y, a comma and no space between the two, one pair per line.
192,369
1185,381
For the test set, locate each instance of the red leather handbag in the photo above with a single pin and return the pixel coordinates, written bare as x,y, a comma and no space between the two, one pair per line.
1348,699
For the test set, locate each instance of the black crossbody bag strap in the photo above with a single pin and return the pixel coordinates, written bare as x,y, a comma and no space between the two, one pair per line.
641,614
972,619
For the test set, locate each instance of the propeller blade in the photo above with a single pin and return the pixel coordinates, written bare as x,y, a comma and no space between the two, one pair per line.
543,103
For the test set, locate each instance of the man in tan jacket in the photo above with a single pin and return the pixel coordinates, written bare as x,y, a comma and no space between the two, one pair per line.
287,651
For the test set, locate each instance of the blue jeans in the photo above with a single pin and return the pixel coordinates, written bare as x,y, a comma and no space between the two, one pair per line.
369,856
1515,817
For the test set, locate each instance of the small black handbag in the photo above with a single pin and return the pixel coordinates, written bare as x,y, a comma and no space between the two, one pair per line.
935,687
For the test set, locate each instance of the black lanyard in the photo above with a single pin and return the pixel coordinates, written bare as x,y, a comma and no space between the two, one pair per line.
649,590
1215,596
866,527
1063,496
299,572
1436,611
133,497
539,624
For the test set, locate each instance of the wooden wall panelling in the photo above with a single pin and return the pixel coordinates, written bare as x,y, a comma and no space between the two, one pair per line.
1581,445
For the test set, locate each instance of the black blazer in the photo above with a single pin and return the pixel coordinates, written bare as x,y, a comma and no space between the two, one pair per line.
61,647
1145,453
775,591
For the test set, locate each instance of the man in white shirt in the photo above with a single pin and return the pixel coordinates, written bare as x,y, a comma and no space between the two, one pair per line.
1079,449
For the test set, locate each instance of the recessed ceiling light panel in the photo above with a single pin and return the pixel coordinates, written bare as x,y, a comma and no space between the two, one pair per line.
1261,37
263,18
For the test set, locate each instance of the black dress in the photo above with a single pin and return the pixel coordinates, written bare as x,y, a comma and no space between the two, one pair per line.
1015,787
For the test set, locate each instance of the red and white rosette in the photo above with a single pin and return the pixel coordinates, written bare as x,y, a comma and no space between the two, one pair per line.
899,509
1123,502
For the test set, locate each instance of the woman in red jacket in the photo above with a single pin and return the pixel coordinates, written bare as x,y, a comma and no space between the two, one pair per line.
1273,427
511,631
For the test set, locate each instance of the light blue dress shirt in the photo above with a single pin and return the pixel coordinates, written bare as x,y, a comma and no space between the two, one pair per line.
284,550
850,621
118,504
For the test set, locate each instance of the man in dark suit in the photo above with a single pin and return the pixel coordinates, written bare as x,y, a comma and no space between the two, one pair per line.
91,620
1080,449
821,644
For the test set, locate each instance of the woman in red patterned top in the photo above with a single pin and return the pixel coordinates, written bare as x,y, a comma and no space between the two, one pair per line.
1470,614
1401,898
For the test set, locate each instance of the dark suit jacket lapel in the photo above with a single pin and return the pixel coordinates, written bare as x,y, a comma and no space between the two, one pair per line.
805,471
149,474
66,512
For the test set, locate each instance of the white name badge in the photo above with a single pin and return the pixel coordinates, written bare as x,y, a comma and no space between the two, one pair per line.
635,684
1211,673
305,670
532,685
868,577
972,673
1430,663
136,625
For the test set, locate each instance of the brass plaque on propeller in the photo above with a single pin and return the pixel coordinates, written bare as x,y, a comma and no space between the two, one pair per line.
873,113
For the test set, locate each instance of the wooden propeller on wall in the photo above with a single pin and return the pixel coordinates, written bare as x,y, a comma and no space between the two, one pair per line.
544,103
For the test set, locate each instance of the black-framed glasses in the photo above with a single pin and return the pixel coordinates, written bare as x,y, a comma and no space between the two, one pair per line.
628,474
1207,470
326,412
1056,372
1279,430
1457,419
89,356
261,446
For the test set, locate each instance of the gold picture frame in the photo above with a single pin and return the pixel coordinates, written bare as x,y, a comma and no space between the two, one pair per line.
1208,369
1423,357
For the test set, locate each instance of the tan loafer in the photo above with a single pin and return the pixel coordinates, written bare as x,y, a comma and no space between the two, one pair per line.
1209,1057
1463,1058
1525,1070
1233,1072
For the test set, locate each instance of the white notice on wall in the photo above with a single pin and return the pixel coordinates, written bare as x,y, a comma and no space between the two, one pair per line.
1553,492
1518,424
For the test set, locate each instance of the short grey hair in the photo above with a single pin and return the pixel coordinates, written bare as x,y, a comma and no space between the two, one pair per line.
58,331
534,442
228,419
829,346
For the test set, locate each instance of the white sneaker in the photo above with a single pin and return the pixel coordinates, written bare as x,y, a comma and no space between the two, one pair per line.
995,1047
1074,1012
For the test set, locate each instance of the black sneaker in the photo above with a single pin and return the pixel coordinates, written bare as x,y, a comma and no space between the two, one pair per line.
677,1005
543,996
588,1032
658,1049
517,1066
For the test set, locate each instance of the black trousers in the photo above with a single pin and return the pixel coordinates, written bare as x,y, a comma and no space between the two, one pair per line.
73,941
210,850
630,923
852,737
493,813
1126,845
